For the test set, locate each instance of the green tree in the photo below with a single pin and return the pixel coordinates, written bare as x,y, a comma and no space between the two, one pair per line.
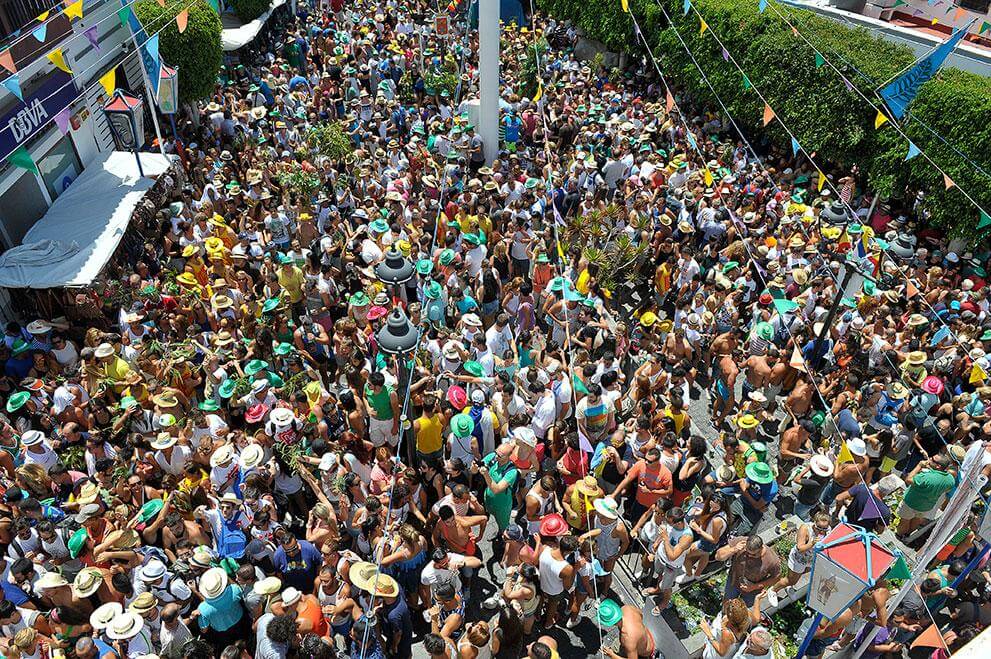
196,51
249,10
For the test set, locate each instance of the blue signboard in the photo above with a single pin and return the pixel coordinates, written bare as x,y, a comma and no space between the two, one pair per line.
25,120
148,47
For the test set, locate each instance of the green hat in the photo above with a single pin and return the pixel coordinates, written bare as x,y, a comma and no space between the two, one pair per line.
167,420
274,380
759,472
76,542
870,288
378,226
986,336
358,299
447,256
20,347
764,330
819,418
472,239
729,266
127,402
150,509
17,401
474,368
424,266
797,198
284,259
462,425
609,613
227,387
271,304
543,258
531,183
209,405
804,178
432,290
283,349
254,366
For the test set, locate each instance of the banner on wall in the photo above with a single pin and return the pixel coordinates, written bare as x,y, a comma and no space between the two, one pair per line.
39,106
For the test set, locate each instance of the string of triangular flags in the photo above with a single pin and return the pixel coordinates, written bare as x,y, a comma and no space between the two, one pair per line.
880,120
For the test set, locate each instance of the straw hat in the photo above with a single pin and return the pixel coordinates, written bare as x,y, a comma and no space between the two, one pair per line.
213,583
51,580
361,575
916,358
104,614
103,350
166,400
821,465
87,582
589,487
125,625
222,456
268,586
251,456
143,603
163,441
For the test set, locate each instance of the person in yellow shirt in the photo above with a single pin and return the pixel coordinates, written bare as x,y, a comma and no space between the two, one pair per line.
291,278
428,430
114,368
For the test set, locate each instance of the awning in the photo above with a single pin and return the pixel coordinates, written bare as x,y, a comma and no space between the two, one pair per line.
237,35
80,232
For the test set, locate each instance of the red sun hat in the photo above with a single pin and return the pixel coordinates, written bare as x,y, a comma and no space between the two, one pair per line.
376,312
256,413
932,385
457,397
553,525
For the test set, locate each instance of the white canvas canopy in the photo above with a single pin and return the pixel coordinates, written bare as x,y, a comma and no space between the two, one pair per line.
80,232
236,35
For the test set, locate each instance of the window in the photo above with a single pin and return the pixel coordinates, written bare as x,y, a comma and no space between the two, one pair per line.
60,167
21,206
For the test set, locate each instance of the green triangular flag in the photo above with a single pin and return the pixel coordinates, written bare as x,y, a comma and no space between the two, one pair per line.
21,158
984,26
819,60
124,14
784,306
899,570
746,82
899,3
985,220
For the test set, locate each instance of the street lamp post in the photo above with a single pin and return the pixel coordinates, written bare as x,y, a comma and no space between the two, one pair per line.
488,77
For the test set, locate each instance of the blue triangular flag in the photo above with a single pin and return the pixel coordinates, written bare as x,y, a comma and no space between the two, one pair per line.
795,146
13,85
762,5
940,334
913,151
686,6
691,140
152,47
40,32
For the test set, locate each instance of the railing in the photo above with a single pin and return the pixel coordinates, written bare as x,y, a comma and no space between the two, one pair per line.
20,14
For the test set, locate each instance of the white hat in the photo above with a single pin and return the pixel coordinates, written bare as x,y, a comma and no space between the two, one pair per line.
451,350
153,569
230,497
267,586
222,455
51,580
259,386
213,583
290,596
857,446
103,350
87,582
607,507
525,435
472,320
282,416
252,456
163,441
125,625
328,461
821,465
104,614
32,437
477,396
38,327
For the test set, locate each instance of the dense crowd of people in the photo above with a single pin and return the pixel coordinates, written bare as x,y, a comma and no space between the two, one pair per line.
226,460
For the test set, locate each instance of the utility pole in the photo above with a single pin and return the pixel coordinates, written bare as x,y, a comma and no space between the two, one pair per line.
817,347
488,77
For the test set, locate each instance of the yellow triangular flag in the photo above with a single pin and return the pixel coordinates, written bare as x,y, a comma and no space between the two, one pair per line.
707,175
845,455
75,10
977,374
540,91
109,82
560,252
947,181
43,16
822,181
768,114
58,59
703,27
935,20
626,5
879,120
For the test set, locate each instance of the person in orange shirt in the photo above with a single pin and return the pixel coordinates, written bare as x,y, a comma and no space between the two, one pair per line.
309,615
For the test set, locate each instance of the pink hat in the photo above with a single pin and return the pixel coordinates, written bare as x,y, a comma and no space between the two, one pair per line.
256,413
376,312
553,525
457,397
932,385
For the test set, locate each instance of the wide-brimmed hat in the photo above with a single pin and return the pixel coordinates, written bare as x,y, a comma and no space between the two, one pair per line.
17,400
163,441
932,384
450,350
125,625
38,327
87,582
143,603
152,570
857,447
103,350
282,416
32,438
462,425
254,366
50,580
166,400
525,436
256,413
104,614
747,421
897,390
457,397
759,472
222,455
589,486
251,456
607,507
609,613
916,358
268,586
917,320
361,575
213,583
553,526
821,465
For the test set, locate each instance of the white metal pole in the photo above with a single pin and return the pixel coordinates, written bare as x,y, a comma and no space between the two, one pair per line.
488,83
149,95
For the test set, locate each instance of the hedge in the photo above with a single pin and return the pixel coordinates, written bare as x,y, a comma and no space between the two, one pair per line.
249,10
196,51
826,117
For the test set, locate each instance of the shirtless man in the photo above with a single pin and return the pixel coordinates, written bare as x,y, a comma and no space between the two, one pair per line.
847,474
679,352
828,632
758,368
177,528
783,377
723,388
794,448
635,641
799,400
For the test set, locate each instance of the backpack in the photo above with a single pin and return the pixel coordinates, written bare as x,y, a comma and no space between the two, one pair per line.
230,541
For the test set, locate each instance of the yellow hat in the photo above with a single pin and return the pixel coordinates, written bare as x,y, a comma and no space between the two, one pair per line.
214,244
188,251
187,278
648,318
313,392
747,421
665,326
